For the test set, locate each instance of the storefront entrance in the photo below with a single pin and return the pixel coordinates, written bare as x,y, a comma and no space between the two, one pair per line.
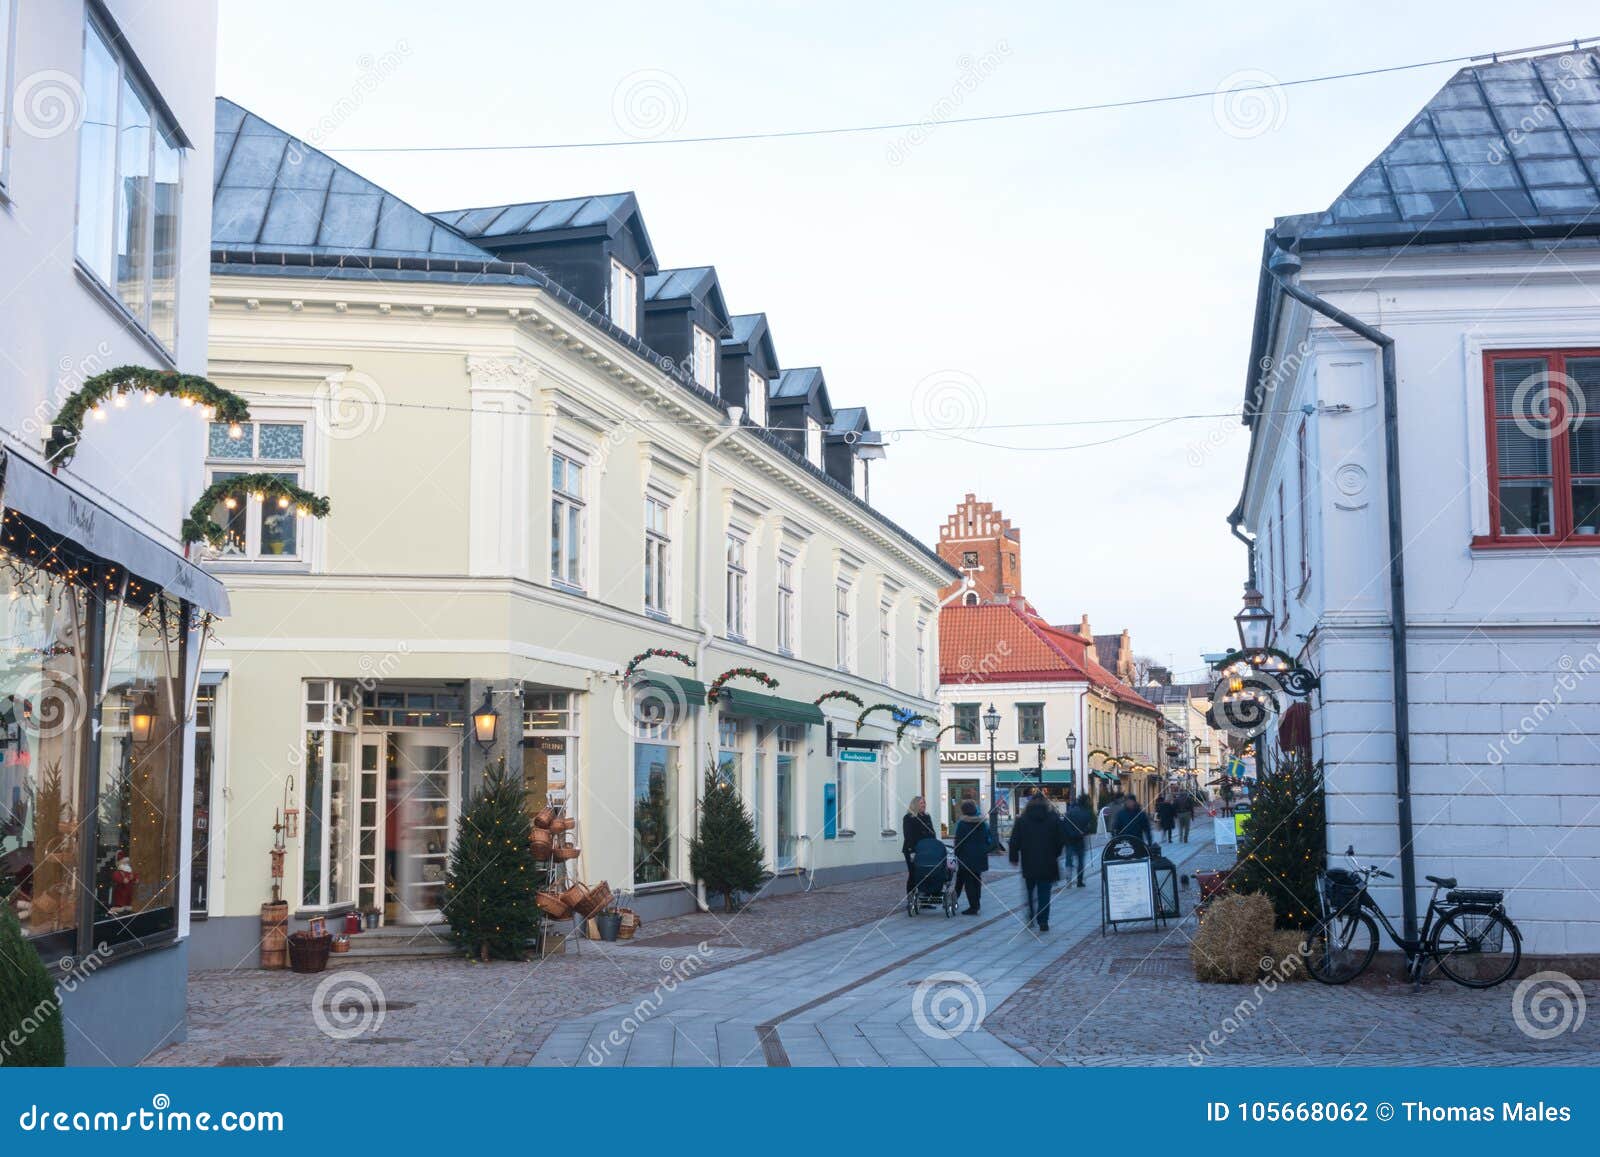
409,803
955,791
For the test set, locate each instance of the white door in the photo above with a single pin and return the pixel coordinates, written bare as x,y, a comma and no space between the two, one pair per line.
371,804
424,783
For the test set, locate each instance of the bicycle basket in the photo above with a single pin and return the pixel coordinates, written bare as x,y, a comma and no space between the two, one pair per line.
1482,932
1343,889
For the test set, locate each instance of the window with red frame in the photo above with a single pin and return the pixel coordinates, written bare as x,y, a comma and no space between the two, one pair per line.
1543,449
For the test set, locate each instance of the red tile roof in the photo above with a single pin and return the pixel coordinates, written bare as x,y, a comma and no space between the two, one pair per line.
1011,643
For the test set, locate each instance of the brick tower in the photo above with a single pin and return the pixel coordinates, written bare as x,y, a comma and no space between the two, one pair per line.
980,541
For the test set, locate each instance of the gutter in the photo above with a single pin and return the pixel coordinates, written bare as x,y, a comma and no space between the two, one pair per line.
1283,266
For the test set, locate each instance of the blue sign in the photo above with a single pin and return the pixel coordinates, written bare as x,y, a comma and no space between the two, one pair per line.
857,755
830,811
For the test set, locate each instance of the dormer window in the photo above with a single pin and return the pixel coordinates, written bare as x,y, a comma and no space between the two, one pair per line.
705,360
756,398
624,298
814,442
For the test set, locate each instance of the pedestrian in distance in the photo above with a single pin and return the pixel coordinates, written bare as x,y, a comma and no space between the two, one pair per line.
1036,847
1131,820
916,825
1077,825
1166,816
972,856
1185,815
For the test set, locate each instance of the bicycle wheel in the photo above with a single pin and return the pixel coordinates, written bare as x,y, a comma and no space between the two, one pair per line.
1339,949
1476,947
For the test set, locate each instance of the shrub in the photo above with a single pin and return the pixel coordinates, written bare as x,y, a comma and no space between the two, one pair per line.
1287,950
1235,935
29,1007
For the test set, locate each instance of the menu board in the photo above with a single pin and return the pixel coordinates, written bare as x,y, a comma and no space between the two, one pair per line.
1227,836
1128,892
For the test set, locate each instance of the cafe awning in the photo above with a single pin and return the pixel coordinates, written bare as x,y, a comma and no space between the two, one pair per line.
88,527
688,692
753,705
1014,775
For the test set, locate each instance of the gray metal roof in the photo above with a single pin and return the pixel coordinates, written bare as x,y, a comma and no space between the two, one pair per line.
1505,149
676,284
610,210
798,383
850,418
275,193
745,326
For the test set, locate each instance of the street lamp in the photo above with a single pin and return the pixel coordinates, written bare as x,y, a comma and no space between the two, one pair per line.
1072,765
485,720
991,724
1254,623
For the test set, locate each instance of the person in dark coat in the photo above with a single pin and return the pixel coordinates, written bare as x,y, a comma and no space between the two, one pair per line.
1131,820
916,825
1185,815
1036,846
1077,825
1166,816
972,856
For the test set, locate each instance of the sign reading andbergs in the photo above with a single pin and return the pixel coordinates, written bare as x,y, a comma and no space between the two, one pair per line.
979,755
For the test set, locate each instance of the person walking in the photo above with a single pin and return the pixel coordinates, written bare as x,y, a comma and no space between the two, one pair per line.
1131,820
1036,847
916,825
972,856
1166,816
1076,828
1185,815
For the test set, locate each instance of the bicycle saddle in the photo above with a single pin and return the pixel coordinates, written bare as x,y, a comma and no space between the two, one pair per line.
1442,881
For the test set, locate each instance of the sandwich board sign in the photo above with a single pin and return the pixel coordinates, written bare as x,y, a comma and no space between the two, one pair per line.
1127,883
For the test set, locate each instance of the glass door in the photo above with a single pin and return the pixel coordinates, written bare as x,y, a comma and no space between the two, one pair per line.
423,774
372,874
783,802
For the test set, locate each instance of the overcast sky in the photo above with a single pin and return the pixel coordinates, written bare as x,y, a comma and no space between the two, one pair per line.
984,279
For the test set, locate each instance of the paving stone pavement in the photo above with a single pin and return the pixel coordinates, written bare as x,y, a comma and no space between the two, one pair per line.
900,991
1131,999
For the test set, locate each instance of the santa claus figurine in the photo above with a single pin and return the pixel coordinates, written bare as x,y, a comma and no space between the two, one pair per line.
122,882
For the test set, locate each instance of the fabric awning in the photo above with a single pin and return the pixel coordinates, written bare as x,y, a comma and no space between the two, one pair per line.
689,692
36,494
736,701
1017,776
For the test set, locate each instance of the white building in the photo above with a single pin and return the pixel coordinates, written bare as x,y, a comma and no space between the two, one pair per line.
1470,244
105,226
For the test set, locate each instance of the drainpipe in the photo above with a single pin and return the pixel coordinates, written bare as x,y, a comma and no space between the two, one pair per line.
702,616
1284,266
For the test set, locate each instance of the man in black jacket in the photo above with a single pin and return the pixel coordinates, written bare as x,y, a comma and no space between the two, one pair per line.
1076,828
1036,845
1131,819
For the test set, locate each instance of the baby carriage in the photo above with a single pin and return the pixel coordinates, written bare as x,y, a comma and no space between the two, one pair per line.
935,878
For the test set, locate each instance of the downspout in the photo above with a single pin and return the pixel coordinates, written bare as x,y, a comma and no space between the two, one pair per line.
702,618
1284,266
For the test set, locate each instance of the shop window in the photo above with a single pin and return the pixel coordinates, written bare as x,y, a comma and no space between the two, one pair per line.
129,181
386,706
655,792
201,825
549,747
8,13
253,526
785,773
730,752
327,847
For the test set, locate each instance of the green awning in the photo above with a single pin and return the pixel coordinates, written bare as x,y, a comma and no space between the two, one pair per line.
689,692
1015,776
1104,776
736,701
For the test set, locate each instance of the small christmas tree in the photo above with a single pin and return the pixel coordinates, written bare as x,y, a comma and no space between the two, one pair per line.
726,852
1285,841
30,1011
493,878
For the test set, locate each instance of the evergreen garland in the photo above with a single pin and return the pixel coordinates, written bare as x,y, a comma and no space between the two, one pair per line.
913,721
847,696
737,672
1285,842
493,879
725,853
200,525
66,430
866,711
657,653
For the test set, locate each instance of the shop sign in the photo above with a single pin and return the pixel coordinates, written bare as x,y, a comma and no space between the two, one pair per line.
856,755
979,755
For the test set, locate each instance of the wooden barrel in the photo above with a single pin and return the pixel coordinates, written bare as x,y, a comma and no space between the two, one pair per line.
275,935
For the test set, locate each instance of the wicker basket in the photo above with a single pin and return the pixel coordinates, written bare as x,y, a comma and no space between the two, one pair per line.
630,923
563,824
544,817
599,896
308,953
553,906
543,844
574,895
563,854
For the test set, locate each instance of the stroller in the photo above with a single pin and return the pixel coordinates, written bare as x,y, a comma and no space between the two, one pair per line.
935,878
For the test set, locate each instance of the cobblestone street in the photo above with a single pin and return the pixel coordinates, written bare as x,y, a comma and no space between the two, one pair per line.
842,976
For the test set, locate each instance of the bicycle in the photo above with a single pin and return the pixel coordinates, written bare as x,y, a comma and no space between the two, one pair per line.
1468,937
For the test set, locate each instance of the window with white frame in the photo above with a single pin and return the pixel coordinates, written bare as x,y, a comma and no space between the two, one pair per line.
755,395
657,556
886,643
814,442
922,656
887,758
256,526
737,602
129,181
567,521
8,11
624,298
841,626
786,605
844,779
327,860
705,360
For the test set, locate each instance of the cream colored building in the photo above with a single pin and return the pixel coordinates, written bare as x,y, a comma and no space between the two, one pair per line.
524,497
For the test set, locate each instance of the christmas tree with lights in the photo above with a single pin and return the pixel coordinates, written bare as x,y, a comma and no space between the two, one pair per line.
726,852
1285,842
493,878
